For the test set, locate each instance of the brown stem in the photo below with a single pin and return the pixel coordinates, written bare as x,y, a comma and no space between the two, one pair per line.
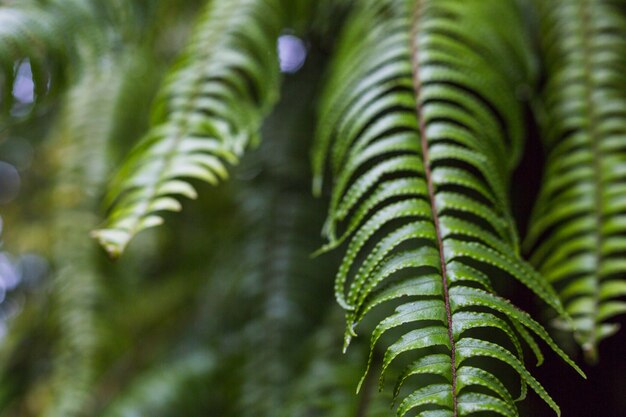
417,85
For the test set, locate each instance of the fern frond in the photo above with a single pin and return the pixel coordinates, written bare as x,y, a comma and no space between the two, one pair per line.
279,269
421,129
80,141
578,233
209,111
76,281
280,219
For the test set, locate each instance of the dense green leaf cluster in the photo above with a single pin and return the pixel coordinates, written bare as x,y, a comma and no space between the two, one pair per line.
420,123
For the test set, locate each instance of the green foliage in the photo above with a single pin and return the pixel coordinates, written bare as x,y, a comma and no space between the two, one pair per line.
76,281
577,230
87,122
39,33
159,389
208,112
421,131
326,387
421,126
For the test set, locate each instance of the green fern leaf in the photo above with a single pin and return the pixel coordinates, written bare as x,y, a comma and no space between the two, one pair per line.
577,230
209,111
81,138
421,129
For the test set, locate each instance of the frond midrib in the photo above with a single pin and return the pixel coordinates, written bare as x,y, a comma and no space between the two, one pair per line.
417,85
585,9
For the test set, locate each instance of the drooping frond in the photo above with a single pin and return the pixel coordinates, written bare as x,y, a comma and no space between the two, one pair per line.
286,289
80,141
209,111
76,281
421,129
578,229
44,36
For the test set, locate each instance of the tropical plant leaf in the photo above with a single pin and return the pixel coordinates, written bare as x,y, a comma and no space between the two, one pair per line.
421,128
578,234
209,110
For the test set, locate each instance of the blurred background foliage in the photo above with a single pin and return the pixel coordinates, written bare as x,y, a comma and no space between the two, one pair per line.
222,312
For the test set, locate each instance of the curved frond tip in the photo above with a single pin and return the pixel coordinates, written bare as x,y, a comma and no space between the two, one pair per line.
210,109
420,130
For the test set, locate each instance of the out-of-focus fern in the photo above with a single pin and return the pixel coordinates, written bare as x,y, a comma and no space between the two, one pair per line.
325,388
81,140
281,220
45,34
75,285
209,111
421,130
157,392
283,280
578,229
262,282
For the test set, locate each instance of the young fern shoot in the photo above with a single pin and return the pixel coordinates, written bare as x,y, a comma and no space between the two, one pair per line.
577,236
421,129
